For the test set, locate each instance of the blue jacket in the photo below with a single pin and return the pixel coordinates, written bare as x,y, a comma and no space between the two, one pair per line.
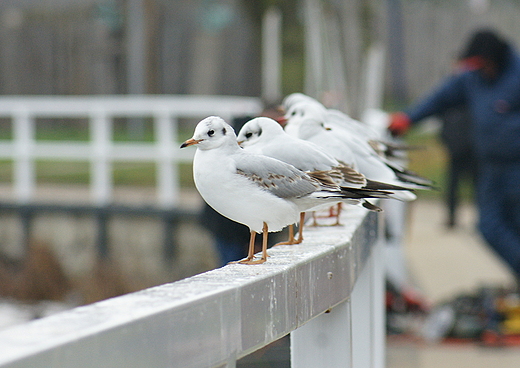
494,107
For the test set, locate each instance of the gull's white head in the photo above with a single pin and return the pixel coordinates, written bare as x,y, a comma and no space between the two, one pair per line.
212,132
294,98
304,110
258,130
301,112
309,127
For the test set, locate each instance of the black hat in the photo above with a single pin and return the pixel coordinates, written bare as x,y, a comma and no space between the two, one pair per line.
488,45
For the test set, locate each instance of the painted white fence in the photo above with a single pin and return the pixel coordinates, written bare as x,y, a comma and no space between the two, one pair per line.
327,292
100,150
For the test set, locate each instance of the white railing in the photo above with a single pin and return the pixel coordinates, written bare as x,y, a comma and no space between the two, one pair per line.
100,150
327,292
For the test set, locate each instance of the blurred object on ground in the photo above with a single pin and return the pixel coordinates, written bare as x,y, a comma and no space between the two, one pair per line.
445,263
38,277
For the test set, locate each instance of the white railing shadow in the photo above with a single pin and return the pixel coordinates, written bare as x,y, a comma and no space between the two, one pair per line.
327,292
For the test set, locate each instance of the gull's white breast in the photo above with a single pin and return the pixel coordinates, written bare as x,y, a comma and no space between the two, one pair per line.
238,198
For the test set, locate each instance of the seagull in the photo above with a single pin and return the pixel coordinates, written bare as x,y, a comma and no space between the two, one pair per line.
265,136
337,119
333,117
307,121
295,98
260,192
315,132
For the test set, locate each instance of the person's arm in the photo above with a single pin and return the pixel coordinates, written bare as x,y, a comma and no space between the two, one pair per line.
450,93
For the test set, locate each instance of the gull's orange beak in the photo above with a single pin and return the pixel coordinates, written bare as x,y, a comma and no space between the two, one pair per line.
282,120
190,142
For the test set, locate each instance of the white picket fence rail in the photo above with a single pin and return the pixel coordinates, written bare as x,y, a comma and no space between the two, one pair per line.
100,150
326,292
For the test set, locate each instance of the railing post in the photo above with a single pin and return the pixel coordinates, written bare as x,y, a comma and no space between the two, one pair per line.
101,217
374,76
362,310
271,54
100,165
170,244
378,302
352,334
24,170
324,341
232,362
167,175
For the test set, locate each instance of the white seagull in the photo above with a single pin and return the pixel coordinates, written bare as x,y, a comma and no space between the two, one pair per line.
307,121
265,136
339,120
260,192
333,117
295,98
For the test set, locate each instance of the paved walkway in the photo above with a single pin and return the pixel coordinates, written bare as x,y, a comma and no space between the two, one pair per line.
443,263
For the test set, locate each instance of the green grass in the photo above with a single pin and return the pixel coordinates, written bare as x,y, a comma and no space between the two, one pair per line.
6,171
430,161
78,130
124,173
62,172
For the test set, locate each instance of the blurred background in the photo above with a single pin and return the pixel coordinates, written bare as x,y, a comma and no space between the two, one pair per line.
265,50
54,47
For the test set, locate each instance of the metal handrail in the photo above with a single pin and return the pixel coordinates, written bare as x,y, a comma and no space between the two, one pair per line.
215,318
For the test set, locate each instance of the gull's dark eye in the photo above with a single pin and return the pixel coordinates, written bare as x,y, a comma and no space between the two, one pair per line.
293,113
248,135
211,132
260,132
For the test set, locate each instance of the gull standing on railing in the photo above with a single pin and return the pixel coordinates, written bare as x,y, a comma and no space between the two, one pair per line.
309,121
260,192
265,136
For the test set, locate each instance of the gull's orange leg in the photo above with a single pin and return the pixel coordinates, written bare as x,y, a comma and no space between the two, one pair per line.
291,237
300,230
264,243
249,260
338,213
250,252
314,221
292,240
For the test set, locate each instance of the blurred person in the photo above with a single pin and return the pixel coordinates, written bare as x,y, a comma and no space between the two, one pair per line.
231,238
490,89
455,130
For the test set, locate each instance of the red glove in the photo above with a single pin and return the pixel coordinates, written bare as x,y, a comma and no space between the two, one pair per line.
399,123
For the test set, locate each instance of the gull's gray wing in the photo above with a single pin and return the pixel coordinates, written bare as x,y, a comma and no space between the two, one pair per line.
277,177
303,155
